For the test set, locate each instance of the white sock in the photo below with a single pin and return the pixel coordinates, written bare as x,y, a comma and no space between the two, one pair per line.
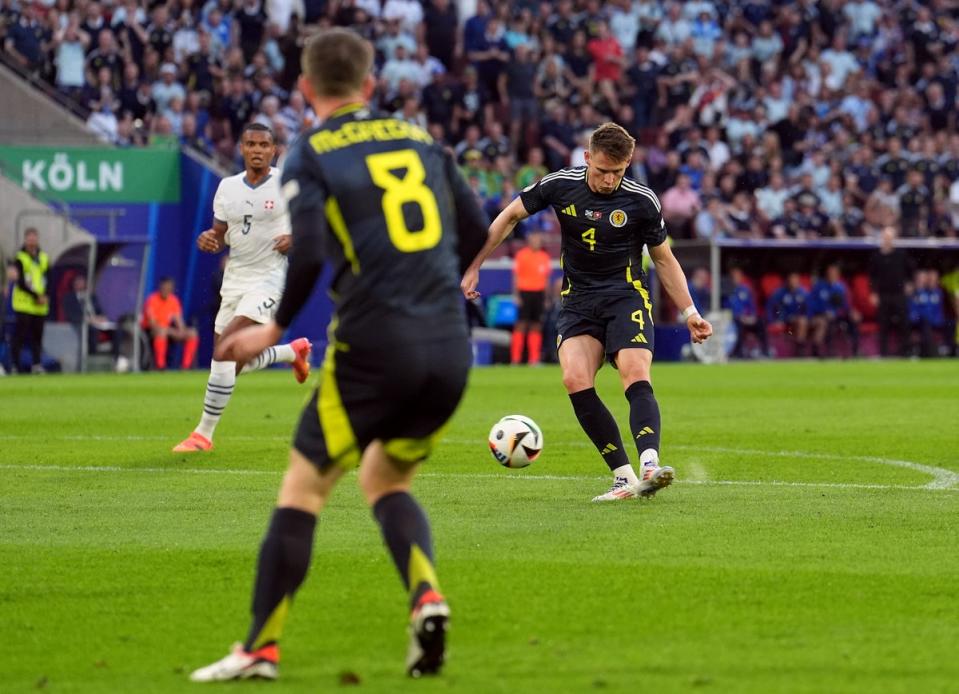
219,388
282,354
627,472
649,457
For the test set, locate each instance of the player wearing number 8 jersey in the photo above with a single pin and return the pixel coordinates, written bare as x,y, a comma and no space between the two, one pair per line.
250,217
385,206
606,219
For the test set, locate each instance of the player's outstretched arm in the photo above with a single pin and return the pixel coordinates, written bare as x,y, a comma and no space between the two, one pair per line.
501,227
213,240
674,281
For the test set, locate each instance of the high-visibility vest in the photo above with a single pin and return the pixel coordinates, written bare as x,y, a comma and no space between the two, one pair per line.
35,276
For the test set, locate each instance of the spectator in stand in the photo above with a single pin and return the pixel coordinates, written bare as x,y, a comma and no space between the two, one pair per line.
608,62
771,199
890,270
742,219
167,88
914,203
789,307
532,170
490,56
680,205
742,303
674,29
642,87
830,309
70,43
516,90
712,221
441,27
163,319
558,137
882,208
28,40
894,163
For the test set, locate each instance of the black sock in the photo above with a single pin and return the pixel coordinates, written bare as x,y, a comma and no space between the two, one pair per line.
643,416
406,532
284,561
599,426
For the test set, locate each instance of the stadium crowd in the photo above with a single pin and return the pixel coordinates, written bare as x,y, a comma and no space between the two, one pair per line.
755,118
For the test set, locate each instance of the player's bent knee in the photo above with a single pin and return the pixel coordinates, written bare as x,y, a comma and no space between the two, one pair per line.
304,486
575,382
380,475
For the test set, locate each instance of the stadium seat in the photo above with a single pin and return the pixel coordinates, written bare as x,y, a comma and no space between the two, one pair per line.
768,284
861,293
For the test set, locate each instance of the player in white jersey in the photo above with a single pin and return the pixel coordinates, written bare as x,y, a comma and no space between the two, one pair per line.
249,216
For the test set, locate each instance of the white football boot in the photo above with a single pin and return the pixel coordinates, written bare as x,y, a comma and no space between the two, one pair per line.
240,665
620,491
654,479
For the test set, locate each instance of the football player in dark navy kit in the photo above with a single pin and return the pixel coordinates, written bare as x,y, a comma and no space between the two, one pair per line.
606,219
386,207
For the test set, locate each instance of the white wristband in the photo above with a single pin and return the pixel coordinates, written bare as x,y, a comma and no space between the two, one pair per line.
689,311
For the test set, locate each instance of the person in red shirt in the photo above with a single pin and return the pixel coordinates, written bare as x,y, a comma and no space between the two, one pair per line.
163,318
608,63
531,270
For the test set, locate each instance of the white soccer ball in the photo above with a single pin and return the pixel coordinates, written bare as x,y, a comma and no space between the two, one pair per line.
515,441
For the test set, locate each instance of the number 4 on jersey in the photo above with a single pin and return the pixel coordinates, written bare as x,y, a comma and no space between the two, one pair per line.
589,237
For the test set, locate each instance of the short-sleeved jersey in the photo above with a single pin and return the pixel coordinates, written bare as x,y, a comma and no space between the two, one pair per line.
255,216
394,213
161,310
785,304
603,235
531,269
828,298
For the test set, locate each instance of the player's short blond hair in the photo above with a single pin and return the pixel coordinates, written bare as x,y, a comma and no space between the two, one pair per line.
336,61
613,141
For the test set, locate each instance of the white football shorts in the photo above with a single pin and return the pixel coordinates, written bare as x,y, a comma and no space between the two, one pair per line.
258,304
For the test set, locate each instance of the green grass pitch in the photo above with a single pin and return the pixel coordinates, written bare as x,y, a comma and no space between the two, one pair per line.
810,544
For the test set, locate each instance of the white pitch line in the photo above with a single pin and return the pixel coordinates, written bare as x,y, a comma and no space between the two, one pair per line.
110,437
511,476
942,478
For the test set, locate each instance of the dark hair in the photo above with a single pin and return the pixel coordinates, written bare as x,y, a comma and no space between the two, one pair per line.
257,127
336,61
613,141
164,280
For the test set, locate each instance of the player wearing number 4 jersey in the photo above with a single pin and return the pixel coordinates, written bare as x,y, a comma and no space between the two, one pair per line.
606,219
384,205
249,216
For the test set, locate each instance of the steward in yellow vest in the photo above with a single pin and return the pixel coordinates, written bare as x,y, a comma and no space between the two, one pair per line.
30,300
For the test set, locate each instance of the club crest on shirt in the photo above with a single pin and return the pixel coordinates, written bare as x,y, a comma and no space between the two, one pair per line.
268,204
617,218
594,215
